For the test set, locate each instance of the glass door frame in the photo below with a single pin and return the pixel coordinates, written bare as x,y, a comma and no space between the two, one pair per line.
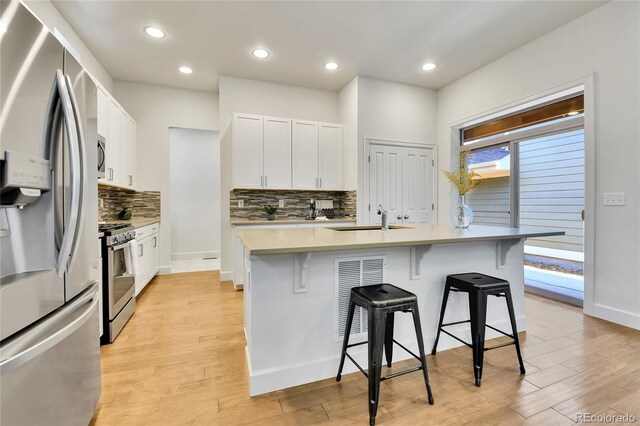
512,140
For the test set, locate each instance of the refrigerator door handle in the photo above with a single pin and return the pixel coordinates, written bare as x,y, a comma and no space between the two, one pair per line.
82,156
23,349
75,187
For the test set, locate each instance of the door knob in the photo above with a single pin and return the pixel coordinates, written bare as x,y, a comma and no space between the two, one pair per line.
399,217
406,216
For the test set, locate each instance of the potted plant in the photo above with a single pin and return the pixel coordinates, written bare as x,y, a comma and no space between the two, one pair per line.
464,181
271,211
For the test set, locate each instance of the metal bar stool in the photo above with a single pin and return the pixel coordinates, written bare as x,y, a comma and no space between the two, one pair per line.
479,286
381,302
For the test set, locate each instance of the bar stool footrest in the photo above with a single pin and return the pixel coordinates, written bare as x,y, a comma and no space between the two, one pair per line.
399,373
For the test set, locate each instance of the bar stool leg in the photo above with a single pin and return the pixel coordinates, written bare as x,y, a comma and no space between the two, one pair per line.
423,360
377,320
447,288
514,329
478,315
345,341
388,339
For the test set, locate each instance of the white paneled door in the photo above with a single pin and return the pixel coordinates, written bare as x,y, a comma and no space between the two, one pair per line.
401,179
417,186
385,182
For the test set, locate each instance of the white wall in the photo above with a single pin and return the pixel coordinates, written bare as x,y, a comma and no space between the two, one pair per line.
348,109
195,193
605,42
49,15
156,109
262,98
392,111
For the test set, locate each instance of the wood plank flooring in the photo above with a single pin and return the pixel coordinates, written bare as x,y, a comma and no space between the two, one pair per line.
180,361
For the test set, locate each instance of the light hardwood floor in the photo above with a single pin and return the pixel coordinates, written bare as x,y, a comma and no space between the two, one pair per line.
180,360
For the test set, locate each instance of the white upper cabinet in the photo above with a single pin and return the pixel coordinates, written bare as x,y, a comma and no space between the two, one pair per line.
121,149
247,151
128,149
112,144
277,153
102,113
330,148
305,155
281,153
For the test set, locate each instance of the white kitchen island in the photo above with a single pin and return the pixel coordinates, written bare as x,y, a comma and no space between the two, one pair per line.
297,284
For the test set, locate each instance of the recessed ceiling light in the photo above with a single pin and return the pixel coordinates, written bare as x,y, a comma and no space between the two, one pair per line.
428,66
154,32
573,113
185,70
260,53
331,66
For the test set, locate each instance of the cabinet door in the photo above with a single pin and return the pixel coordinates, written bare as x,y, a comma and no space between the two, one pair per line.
417,186
238,249
330,148
247,151
154,263
132,153
102,113
141,278
277,153
305,154
112,143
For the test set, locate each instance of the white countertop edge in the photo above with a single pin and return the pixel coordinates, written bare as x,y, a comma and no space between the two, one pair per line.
254,248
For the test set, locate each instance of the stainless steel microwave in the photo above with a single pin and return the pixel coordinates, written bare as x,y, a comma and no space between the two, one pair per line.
101,157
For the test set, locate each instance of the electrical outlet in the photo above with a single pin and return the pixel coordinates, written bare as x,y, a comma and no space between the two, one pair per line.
613,199
240,203
281,203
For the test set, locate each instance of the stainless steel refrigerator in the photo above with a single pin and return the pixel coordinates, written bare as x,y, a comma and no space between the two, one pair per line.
49,325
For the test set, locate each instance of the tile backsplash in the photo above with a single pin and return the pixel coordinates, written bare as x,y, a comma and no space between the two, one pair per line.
142,204
296,202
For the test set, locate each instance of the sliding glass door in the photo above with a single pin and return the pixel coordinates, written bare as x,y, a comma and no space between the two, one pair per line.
550,193
534,177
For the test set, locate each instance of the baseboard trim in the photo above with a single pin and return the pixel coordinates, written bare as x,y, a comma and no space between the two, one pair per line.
286,376
618,316
226,275
164,270
195,255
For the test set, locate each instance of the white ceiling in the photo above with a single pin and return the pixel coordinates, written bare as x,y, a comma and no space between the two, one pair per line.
385,40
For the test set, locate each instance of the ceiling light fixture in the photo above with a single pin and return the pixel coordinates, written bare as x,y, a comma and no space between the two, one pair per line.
154,32
331,66
185,70
428,66
260,53
573,113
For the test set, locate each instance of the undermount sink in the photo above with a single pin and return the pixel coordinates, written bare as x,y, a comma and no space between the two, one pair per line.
369,228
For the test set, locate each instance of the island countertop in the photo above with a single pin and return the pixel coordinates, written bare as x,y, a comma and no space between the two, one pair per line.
305,240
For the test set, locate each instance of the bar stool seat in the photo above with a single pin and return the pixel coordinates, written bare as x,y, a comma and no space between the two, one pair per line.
479,286
381,301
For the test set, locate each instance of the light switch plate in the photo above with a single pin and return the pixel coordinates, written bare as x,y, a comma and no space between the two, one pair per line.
281,203
240,203
613,199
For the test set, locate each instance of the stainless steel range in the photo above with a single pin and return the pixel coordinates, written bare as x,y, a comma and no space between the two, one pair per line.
118,277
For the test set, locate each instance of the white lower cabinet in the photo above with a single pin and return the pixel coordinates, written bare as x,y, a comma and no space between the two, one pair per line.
147,252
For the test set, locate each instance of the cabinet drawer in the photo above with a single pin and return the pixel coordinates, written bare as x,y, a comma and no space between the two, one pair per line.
147,230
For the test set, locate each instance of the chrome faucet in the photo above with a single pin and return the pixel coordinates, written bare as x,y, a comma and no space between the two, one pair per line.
385,220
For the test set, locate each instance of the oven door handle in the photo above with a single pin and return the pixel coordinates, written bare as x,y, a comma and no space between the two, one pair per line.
120,246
